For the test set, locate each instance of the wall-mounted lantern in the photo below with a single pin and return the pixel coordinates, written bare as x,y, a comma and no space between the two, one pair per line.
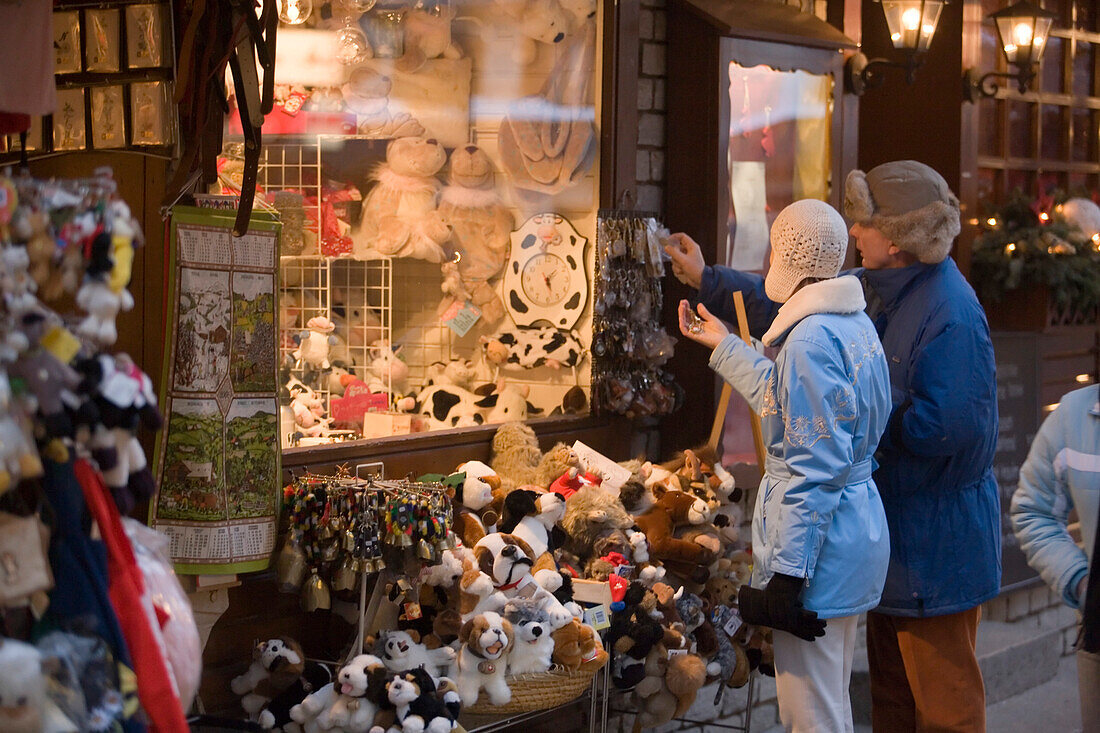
912,24
1023,30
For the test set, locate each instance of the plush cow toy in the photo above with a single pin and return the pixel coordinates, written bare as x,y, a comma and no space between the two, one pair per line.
529,348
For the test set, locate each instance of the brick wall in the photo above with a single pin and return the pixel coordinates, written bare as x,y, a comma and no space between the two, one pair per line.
652,77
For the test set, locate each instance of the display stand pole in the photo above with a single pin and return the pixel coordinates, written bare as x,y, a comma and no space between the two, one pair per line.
754,417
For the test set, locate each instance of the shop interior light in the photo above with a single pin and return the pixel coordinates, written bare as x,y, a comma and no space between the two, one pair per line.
912,24
1023,29
295,12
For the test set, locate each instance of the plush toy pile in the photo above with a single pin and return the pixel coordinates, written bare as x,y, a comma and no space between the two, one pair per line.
71,467
550,551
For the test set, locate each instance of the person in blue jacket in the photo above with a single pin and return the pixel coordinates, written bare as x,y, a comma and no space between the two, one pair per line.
819,536
1062,473
935,457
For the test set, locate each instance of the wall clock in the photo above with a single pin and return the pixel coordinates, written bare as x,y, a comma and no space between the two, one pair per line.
545,279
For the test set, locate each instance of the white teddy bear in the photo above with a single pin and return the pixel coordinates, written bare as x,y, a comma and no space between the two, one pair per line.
399,213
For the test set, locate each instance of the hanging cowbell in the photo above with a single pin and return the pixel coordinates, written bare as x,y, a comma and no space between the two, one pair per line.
316,595
290,568
346,576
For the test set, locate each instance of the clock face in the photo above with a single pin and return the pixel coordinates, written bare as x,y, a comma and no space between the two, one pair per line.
546,279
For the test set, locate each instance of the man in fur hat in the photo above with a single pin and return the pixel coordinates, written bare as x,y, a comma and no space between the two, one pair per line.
936,456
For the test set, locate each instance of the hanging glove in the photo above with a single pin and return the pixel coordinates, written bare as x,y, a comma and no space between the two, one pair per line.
778,606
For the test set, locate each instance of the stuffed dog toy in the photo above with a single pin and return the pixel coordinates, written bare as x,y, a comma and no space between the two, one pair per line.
420,706
509,561
534,646
486,642
276,664
402,650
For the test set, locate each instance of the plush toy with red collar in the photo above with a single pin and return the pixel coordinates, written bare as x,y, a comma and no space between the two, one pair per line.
508,561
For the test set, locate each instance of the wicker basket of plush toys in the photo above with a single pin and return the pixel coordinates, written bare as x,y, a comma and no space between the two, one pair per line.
494,625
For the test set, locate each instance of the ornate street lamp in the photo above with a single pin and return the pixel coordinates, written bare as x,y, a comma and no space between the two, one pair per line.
1023,30
912,24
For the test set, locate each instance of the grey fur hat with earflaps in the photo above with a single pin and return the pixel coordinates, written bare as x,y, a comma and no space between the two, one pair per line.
909,203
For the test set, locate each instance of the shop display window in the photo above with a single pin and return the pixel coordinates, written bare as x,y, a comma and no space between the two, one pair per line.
436,171
779,152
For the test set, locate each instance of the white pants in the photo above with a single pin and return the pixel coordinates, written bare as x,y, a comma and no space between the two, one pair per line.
811,678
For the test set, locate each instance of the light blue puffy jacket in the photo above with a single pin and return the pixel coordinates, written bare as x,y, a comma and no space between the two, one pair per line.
823,404
1061,473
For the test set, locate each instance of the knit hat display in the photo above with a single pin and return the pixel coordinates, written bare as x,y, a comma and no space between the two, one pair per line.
909,203
809,239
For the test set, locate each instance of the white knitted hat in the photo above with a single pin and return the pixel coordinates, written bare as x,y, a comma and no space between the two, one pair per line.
809,239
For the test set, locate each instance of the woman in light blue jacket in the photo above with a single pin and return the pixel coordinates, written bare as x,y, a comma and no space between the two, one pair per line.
1062,473
819,534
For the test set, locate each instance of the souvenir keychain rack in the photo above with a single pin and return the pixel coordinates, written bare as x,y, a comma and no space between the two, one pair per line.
629,346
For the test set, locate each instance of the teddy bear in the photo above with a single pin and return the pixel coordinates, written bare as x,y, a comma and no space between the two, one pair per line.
456,372
41,247
536,21
305,677
486,640
557,462
308,409
366,93
589,513
670,684
125,400
535,643
473,513
477,592
350,702
401,650
577,646
481,227
516,454
532,516
419,706
276,664
439,593
399,213
516,572
427,36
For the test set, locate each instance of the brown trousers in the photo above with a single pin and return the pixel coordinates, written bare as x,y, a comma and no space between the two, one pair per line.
924,673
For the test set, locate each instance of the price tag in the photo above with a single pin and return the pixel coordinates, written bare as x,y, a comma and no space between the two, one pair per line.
733,623
624,571
676,652
461,318
596,617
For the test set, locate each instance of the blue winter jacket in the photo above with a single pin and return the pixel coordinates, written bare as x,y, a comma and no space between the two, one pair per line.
823,404
1061,473
935,459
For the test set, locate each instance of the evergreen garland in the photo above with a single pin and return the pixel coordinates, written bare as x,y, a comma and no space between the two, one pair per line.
1019,248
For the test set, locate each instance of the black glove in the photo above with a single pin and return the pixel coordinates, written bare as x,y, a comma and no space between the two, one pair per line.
778,606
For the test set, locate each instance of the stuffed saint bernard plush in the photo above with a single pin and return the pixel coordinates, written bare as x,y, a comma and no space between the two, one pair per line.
486,641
